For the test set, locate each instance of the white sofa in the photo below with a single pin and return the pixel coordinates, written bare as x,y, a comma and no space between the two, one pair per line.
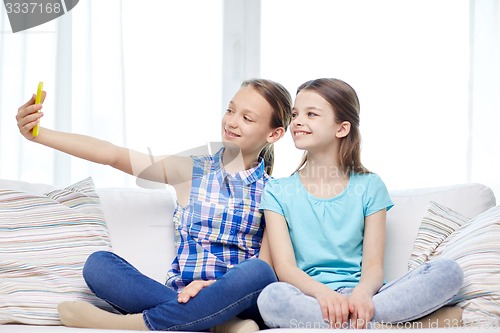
140,226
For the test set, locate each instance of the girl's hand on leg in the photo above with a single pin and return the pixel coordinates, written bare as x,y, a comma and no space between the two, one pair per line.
192,289
361,310
335,309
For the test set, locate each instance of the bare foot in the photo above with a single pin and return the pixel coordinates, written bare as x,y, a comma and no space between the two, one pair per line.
86,315
236,325
447,316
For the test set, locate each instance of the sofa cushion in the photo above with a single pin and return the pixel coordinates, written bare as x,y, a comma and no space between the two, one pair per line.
475,245
140,226
45,240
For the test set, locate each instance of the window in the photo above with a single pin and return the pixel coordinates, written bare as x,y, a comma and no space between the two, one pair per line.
145,75
408,62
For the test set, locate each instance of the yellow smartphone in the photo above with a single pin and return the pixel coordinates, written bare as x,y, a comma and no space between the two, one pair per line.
38,99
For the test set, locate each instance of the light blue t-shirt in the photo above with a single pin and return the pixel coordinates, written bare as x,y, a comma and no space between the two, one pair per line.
327,234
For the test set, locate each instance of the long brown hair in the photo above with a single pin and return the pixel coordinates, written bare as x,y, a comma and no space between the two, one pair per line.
345,103
281,102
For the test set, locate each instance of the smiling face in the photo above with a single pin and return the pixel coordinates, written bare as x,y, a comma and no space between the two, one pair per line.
247,121
313,123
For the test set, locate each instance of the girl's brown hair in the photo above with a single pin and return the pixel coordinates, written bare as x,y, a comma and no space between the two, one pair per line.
345,103
281,102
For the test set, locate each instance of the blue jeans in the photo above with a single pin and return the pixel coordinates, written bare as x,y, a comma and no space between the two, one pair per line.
117,282
416,294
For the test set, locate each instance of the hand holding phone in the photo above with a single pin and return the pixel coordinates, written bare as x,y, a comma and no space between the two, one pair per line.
38,99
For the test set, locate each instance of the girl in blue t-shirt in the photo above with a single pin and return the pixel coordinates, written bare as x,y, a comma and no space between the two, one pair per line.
325,226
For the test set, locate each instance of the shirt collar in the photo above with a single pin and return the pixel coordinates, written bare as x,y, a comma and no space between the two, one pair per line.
246,176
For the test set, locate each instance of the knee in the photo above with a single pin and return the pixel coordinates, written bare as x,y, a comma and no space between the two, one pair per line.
270,295
270,303
259,271
283,305
279,293
452,272
95,265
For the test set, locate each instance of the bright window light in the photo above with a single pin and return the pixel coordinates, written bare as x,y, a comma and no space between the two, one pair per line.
408,62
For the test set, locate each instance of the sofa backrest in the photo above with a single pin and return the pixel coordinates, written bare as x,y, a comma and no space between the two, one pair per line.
141,226
410,206
141,229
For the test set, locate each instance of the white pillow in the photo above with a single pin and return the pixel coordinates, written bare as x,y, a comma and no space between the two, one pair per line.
44,243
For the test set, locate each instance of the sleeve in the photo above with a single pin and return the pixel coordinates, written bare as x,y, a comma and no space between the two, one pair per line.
376,196
271,198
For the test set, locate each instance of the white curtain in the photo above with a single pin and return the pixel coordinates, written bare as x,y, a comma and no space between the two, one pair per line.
79,57
484,111
24,59
143,75
429,97
150,77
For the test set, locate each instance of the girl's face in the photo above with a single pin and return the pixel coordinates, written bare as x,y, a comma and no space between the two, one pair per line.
247,120
313,124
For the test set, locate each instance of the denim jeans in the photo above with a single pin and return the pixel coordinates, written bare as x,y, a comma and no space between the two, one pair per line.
416,294
117,282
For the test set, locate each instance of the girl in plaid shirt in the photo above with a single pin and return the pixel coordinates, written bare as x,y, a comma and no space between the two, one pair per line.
219,229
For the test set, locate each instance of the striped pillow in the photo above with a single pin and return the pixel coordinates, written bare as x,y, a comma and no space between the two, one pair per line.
476,248
438,223
45,240
475,245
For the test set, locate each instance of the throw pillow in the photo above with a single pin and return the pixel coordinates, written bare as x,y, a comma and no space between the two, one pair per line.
45,241
437,224
476,248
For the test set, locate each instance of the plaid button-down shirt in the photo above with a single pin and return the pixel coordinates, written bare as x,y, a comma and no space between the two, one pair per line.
221,226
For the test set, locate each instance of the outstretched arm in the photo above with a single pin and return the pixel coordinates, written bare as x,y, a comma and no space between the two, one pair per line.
334,306
166,169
